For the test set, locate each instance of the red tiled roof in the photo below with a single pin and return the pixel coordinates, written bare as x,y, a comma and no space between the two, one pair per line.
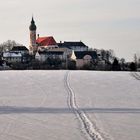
46,41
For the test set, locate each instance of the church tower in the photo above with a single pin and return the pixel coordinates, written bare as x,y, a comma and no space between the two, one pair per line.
33,45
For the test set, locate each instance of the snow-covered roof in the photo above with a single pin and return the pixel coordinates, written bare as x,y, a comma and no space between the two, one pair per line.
12,54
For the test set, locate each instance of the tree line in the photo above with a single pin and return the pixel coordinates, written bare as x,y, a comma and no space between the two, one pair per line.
106,61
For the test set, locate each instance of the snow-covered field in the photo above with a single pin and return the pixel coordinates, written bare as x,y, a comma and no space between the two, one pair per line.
69,105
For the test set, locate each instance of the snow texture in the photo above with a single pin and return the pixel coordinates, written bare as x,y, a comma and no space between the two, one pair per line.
69,105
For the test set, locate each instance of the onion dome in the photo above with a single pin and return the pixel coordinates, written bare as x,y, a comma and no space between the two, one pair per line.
32,26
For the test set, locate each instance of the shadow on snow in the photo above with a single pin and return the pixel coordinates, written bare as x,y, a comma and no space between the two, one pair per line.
45,110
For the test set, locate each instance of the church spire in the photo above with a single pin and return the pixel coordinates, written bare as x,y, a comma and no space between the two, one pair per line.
32,26
33,45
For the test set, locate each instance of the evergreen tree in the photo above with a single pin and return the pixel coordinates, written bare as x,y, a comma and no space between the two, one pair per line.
133,66
115,65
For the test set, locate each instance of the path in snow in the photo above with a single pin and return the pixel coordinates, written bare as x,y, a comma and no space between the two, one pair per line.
113,98
135,75
85,121
34,107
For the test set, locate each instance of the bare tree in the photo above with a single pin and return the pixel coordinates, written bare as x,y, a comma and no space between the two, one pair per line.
107,55
135,58
122,63
8,45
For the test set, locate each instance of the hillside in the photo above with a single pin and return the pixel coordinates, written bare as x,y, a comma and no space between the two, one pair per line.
69,105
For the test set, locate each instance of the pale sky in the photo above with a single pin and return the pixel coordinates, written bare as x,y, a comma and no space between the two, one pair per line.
107,24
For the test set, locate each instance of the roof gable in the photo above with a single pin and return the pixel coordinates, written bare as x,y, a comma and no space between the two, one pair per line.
74,44
46,41
19,48
71,44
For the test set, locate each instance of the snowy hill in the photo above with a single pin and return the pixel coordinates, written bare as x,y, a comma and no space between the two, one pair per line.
69,105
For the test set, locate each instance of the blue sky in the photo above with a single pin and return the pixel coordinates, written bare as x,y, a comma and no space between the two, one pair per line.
107,24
